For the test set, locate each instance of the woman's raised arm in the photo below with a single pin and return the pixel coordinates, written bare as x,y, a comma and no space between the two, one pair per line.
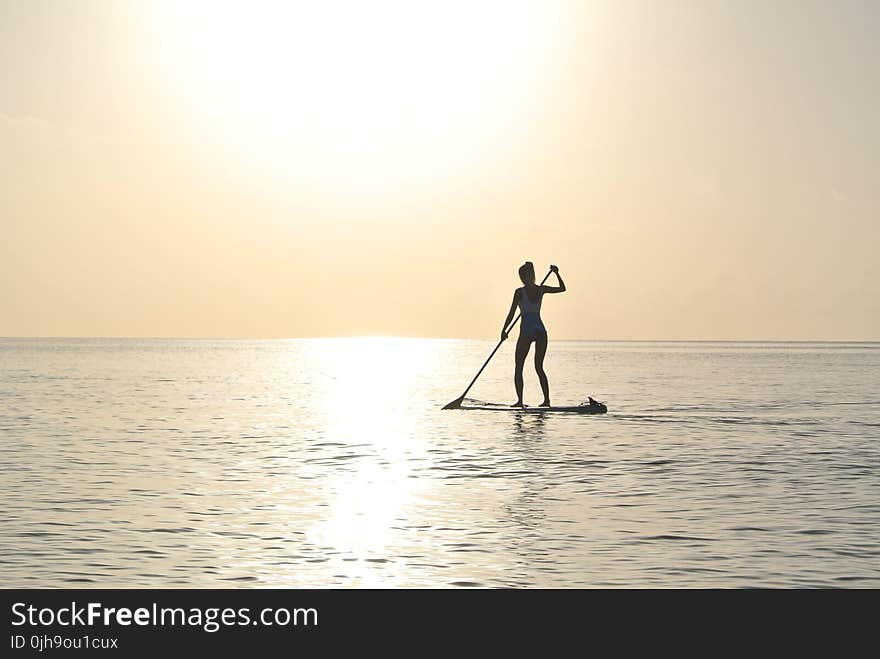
555,289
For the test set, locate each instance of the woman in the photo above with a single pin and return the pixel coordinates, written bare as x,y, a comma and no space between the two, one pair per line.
528,299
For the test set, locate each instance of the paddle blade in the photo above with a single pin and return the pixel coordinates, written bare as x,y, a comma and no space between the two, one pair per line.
454,405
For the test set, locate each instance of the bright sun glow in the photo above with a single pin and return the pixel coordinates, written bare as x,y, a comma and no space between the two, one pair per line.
373,92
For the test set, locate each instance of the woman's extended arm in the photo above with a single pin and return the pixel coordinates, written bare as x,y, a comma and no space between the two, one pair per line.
509,317
555,289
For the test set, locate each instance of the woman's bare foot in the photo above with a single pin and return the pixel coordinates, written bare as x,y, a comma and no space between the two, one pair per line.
546,403
518,403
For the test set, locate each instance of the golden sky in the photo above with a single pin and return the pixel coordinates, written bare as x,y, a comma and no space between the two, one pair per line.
698,170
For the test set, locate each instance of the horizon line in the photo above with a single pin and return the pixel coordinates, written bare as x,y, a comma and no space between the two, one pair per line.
428,338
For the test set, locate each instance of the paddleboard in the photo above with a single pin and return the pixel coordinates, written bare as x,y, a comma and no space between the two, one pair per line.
574,409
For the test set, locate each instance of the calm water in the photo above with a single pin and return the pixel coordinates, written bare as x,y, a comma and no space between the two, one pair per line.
320,463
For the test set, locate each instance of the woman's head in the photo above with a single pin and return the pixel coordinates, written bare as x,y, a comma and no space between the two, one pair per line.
527,273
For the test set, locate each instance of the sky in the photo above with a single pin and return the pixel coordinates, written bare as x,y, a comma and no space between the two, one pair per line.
697,170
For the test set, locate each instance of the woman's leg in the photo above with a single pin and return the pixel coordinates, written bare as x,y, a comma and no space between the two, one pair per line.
540,351
522,350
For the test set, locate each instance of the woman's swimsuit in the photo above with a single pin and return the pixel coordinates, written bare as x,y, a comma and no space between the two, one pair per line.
532,327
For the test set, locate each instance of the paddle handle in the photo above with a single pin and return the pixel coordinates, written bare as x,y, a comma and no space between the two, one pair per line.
506,329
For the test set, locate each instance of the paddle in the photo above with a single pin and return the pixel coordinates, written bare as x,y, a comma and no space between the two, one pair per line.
454,405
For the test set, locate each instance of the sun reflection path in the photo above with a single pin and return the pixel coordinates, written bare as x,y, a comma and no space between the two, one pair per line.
370,397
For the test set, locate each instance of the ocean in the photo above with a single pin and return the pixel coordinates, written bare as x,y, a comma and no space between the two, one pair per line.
329,463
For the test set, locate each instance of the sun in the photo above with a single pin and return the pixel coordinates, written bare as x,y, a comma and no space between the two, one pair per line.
361,93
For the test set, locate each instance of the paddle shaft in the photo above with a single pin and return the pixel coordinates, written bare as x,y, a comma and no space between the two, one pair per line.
507,329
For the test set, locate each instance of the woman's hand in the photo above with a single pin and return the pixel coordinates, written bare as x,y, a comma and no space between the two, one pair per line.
555,289
503,335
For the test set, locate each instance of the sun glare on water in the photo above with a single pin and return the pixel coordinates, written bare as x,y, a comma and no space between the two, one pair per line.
367,411
366,92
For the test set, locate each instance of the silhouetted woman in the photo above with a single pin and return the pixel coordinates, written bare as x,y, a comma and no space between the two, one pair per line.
528,299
